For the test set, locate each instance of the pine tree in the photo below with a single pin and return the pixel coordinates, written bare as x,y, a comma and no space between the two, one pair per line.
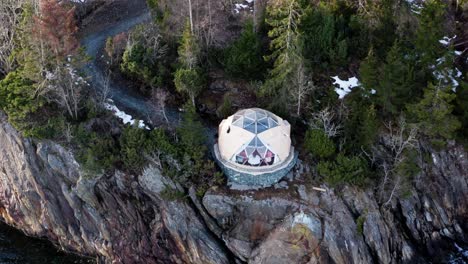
189,78
283,17
430,31
369,72
433,113
189,49
396,86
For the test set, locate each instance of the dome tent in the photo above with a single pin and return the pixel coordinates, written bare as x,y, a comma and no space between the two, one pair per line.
254,147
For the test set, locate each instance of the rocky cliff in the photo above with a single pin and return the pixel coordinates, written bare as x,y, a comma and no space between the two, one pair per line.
125,219
120,217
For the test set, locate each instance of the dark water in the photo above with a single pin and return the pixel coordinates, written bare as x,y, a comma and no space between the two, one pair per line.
15,248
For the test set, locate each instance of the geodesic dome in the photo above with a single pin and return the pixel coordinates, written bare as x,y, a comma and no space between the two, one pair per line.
254,137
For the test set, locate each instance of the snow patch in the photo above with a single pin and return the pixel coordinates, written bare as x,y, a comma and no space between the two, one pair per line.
302,218
434,158
246,5
447,40
344,87
126,118
448,76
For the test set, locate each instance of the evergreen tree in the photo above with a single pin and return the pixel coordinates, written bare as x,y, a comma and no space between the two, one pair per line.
189,78
244,57
283,17
397,83
133,144
430,31
17,97
189,49
433,113
192,134
369,72
189,81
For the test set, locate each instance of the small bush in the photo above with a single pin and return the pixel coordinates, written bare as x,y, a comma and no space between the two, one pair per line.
360,223
319,144
344,170
225,109
133,143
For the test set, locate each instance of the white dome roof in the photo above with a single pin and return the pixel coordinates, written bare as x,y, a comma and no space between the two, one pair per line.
254,137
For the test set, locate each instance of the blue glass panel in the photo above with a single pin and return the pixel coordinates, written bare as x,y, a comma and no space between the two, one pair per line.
250,127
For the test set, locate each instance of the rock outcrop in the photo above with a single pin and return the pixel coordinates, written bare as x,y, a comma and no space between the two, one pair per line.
127,219
302,225
120,218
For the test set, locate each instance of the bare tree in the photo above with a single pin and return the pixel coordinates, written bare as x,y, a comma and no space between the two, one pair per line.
303,86
158,104
65,87
10,15
326,121
397,140
105,87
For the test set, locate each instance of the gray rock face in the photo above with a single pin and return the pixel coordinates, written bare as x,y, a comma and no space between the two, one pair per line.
308,226
120,218
126,219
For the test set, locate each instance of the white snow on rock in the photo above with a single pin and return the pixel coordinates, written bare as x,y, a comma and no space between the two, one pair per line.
304,219
344,87
415,6
434,158
447,40
126,118
246,5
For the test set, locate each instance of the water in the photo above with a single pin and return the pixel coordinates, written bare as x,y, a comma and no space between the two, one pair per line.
459,256
16,248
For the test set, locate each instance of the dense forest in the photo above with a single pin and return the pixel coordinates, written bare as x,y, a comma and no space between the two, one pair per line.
409,58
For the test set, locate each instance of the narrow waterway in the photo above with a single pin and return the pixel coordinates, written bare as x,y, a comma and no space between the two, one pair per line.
15,247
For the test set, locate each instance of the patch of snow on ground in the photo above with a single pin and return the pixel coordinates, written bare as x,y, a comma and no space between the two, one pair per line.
344,87
126,118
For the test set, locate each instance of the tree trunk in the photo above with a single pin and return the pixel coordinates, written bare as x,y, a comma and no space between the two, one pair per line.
191,16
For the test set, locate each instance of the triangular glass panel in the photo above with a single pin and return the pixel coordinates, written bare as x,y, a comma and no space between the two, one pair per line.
261,128
250,150
250,128
272,123
262,151
238,122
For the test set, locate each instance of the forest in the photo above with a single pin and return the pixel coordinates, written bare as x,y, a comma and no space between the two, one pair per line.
410,59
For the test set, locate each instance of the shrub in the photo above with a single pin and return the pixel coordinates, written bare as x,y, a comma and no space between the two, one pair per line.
344,170
189,81
319,144
243,58
360,223
158,140
225,109
17,98
96,152
133,143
